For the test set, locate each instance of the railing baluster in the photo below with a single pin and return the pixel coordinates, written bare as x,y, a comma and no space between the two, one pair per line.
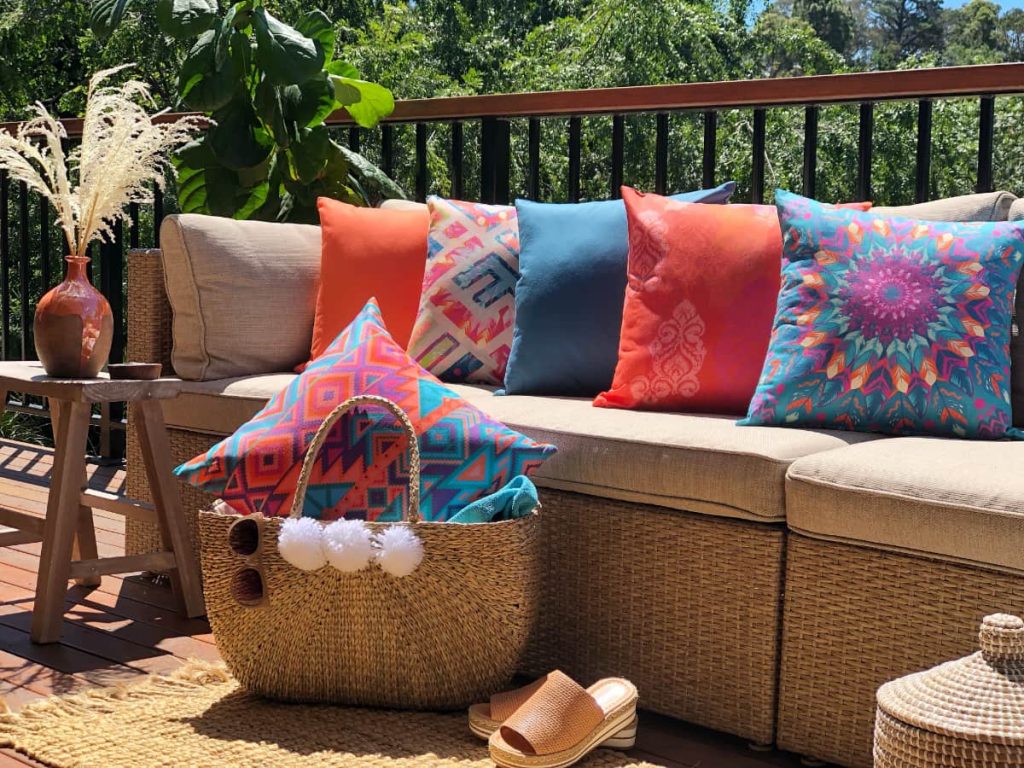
5,264
810,151
575,129
618,152
710,149
112,286
387,149
757,157
503,162
922,183
864,142
661,153
158,215
421,162
44,243
456,160
133,218
533,183
488,141
986,131
24,278
353,138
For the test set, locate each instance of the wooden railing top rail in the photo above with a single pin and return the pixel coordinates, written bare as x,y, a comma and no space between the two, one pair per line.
938,82
976,80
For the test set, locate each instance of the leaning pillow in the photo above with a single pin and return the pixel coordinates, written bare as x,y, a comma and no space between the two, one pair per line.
699,305
368,252
890,325
569,298
463,331
363,469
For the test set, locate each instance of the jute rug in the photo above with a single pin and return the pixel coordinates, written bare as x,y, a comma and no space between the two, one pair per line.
199,717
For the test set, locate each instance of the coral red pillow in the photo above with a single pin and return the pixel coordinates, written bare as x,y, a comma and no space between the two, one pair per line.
700,299
703,282
369,252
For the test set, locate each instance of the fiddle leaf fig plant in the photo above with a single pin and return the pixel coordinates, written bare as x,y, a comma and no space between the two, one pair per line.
267,88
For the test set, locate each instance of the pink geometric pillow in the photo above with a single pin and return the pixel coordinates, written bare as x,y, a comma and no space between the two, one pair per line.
463,332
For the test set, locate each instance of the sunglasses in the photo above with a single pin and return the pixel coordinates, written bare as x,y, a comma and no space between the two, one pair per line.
248,585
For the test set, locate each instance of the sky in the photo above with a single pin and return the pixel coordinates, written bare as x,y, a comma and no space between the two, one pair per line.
1004,4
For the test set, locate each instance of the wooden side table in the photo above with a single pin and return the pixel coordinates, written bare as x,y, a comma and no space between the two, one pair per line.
67,533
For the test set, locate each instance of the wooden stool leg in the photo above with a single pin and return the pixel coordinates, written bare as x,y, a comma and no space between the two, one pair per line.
85,532
156,454
61,522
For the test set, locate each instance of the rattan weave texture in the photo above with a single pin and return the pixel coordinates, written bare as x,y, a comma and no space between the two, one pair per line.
685,606
856,618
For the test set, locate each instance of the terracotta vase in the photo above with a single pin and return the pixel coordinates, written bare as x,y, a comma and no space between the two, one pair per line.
74,326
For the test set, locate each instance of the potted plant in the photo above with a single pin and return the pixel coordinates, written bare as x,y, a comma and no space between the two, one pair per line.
124,152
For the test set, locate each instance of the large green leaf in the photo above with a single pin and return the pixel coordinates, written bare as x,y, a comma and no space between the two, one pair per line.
309,104
371,176
317,27
105,16
185,18
366,102
203,84
237,139
286,56
309,155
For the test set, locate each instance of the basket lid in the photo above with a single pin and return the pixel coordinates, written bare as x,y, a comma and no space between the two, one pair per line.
978,698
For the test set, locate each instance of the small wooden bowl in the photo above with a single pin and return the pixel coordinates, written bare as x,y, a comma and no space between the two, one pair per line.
137,371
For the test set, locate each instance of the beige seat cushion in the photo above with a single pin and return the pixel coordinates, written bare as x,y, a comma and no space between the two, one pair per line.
955,499
985,206
242,294
701,464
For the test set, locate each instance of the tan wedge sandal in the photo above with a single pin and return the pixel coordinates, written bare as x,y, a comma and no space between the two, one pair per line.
562,722
486,718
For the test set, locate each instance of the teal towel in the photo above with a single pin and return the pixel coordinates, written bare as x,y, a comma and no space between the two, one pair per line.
517,499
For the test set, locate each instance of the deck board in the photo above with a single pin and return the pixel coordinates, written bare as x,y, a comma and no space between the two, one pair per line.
128,627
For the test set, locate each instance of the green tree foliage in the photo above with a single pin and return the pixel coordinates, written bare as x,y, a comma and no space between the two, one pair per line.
904,28
832,21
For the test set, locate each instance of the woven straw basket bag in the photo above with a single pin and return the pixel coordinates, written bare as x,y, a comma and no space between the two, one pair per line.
967,713
450,633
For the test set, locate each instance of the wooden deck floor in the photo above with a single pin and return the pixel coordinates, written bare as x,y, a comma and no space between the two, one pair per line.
127,628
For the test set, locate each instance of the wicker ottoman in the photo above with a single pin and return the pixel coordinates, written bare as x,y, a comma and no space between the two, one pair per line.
963,714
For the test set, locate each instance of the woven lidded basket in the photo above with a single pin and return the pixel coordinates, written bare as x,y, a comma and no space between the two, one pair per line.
967,713
450,633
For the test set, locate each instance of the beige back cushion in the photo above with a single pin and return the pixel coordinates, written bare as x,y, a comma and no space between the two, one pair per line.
986,206
397,204
242,294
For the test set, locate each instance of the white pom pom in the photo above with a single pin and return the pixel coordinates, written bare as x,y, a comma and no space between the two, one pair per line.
300,542
348,545
400,551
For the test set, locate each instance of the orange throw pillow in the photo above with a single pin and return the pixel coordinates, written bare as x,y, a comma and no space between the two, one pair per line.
369,253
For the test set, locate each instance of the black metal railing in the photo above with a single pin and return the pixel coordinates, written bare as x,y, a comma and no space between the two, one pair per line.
574,145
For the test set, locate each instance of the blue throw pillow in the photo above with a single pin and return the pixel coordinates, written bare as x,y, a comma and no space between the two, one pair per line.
572,263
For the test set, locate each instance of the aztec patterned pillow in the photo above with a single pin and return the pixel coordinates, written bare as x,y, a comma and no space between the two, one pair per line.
463,331
363,469
891,325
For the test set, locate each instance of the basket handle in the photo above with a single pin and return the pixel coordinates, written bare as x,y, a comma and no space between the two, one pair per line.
412,509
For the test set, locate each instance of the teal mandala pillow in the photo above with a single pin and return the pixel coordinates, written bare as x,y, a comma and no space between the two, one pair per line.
891,325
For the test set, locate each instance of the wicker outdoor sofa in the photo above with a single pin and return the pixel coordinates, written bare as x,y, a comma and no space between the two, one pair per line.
758,581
